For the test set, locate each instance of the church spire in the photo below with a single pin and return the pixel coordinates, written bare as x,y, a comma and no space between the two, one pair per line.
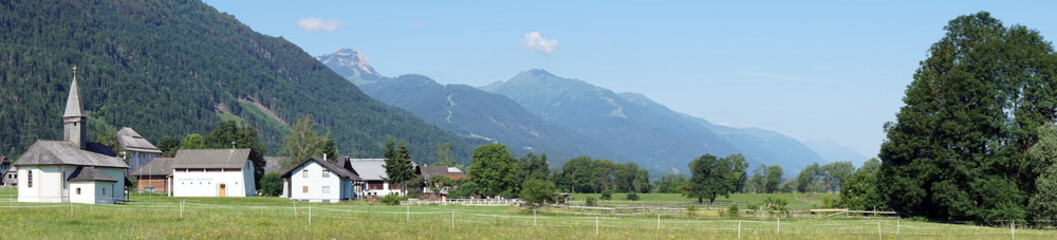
73,120
74,108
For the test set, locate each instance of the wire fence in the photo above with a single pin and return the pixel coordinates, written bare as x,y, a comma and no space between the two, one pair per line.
455,217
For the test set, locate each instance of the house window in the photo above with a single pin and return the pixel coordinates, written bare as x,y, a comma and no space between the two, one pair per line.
104,191
304,173
326,189
78,191
30,174
304,189
326,173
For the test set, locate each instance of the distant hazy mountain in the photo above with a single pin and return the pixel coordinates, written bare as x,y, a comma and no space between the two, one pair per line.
654,137
350,63
758,145
833,152
468,111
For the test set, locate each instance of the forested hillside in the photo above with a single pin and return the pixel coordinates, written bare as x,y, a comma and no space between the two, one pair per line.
477,114
170,68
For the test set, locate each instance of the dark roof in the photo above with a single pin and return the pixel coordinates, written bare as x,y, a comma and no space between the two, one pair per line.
67,153
74,108
428,171
89,174
160,166
130,140
4,159
211,158
274,164
333,167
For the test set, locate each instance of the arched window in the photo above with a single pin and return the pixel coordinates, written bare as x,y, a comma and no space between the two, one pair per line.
30,178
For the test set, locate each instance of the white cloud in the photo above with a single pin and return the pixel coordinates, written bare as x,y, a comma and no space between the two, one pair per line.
784,77
534,41
314,24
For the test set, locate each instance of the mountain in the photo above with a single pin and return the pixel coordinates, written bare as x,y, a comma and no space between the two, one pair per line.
834,152
766,146
350,64
467,111
756,144
171,68
654,137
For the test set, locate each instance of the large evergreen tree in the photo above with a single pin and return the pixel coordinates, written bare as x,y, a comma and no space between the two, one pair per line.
957,149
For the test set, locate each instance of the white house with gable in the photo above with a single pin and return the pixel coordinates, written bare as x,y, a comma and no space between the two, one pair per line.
213,173
71,170
317,180
372,175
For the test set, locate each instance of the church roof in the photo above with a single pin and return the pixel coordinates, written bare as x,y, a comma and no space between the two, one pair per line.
89,174
45,152
74,108
130,140
211,158
160,166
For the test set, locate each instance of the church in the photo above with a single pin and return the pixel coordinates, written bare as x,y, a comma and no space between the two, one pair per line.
73,169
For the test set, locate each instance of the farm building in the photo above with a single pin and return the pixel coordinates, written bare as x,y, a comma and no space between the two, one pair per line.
10,177
135,149
71,170
154,176
319,180
372,175
429,172
213,173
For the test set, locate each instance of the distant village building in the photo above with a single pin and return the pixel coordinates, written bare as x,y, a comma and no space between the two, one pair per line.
428,172
154,176
5,164
318,180
136,149
72,170
372,175
213,173
11,177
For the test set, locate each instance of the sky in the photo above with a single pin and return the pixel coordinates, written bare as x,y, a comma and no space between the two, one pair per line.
813,70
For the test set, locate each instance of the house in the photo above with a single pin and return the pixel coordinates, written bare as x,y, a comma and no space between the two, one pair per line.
4,164
71,170
372,175
317,180
154,176
274,164
136,150
430,171
10,178
213,173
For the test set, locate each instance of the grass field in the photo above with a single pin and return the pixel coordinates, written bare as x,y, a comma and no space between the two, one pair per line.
158,217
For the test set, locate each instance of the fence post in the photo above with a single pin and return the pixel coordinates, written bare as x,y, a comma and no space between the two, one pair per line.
596,225
739,229
878,230
408,213
181,209
309,215
1012,228
295,208
897,225
534,223
779,225
658,221
453,219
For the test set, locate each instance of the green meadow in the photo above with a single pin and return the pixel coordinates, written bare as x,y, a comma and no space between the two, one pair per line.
160,217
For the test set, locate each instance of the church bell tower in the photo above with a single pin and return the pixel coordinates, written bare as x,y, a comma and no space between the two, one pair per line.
73,119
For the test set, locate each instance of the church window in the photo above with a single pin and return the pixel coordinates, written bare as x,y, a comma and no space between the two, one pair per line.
78,191
30,178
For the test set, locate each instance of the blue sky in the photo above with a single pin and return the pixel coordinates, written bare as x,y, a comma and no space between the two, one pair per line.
820,70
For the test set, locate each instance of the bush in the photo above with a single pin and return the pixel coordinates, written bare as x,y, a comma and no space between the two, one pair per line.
537,191
633,197
732,211
591,202
272,184
392,199
607,195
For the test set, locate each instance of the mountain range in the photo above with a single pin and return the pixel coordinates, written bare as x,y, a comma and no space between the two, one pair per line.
577,118
172,68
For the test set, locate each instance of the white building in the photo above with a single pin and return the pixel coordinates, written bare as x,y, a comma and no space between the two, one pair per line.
213,173
372,174
136,150
72,170
318,180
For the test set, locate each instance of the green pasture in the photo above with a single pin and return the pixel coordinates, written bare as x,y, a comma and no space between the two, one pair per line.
159,217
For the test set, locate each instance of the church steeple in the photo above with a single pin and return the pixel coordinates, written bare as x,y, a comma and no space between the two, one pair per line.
73,119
